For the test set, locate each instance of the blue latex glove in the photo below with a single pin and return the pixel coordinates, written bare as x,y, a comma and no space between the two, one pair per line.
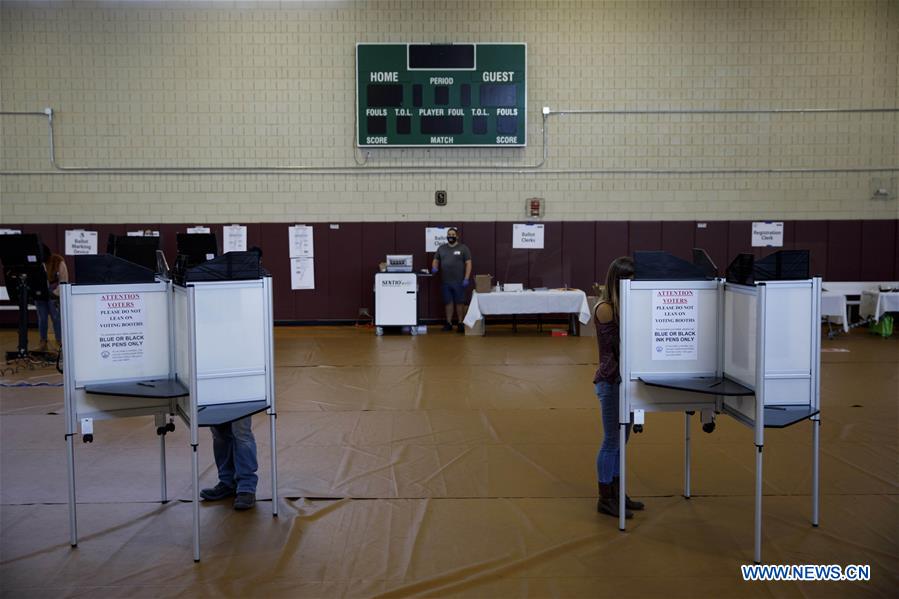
434,270
464,282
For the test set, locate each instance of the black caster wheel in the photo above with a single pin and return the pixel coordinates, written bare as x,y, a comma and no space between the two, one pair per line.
87,438
708,427
690,412
160,430
638,428
170,427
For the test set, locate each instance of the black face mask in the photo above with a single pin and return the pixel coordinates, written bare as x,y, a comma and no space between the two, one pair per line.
451,240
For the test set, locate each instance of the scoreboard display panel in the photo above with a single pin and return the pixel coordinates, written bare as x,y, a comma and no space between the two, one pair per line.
414,95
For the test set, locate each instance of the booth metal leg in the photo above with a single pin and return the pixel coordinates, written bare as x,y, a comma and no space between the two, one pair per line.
163,491
757,556
622,479
70,466
686,455
816,425
195,471
274,452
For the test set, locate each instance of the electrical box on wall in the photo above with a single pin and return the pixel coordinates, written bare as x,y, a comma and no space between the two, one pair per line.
533,207
440,198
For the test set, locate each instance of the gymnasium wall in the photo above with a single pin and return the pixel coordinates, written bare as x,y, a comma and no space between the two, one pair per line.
576,253
136,84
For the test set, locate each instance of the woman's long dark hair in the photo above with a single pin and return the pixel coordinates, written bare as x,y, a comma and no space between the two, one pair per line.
620,268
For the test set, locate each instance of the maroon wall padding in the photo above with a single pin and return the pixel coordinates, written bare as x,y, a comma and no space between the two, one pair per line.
338,274
739,240
844,250
275,247
378,240
644,235
579,254
611,242
511,264
811,235
713,239
545,266
878,252
678,238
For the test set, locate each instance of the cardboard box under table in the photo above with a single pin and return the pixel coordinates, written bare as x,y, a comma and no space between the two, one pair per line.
136,344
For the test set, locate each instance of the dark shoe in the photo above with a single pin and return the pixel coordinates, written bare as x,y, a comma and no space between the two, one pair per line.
220,491
608,504
460,328
244,501
628,502
447,327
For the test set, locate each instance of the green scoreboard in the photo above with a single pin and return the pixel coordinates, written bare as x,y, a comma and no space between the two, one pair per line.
441,95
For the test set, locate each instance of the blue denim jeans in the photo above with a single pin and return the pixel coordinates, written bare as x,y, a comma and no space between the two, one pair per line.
45,309
234,448
607,460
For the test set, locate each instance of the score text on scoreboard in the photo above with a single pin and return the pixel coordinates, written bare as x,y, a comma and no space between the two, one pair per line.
414,95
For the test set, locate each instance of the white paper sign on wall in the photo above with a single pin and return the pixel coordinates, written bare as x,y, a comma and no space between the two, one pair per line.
301,241
435,237
144,233
193,230
10,232
302,273
527,236
80,243
767,234
675,319
234,238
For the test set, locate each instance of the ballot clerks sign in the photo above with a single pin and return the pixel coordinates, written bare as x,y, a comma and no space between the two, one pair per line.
120,326
674,324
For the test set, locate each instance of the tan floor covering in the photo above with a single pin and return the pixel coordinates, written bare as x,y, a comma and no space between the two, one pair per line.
446,465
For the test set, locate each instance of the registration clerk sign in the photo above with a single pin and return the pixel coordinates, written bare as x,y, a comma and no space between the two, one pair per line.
674,324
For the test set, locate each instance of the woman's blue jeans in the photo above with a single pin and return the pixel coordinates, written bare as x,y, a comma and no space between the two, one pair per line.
45,309
607,460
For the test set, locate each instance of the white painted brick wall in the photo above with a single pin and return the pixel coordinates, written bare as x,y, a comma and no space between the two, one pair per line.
272,83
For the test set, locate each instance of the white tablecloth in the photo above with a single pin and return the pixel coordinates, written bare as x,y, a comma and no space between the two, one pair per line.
876,304
527,302
833,307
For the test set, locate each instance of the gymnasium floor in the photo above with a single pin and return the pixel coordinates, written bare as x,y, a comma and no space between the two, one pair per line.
453,466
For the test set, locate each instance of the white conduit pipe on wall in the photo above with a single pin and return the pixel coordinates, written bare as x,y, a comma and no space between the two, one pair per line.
537,168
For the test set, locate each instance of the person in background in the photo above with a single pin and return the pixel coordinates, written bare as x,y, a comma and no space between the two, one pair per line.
234,449
606,382
57,273
453,261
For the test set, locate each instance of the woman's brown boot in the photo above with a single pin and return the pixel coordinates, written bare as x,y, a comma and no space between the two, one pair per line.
608,502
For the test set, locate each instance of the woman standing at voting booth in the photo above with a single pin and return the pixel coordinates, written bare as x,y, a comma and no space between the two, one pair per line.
606,382
48,309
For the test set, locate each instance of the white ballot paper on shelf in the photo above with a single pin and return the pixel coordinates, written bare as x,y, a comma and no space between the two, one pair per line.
302,273
301,244
234,238
527,236
434,238
80,242
199,230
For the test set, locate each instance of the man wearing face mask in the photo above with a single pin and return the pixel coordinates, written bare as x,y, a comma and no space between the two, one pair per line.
453,261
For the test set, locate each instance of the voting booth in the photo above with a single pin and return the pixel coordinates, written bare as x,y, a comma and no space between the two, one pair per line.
747,346
199,348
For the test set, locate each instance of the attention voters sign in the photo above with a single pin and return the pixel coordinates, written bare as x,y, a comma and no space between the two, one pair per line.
674,324
120,326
